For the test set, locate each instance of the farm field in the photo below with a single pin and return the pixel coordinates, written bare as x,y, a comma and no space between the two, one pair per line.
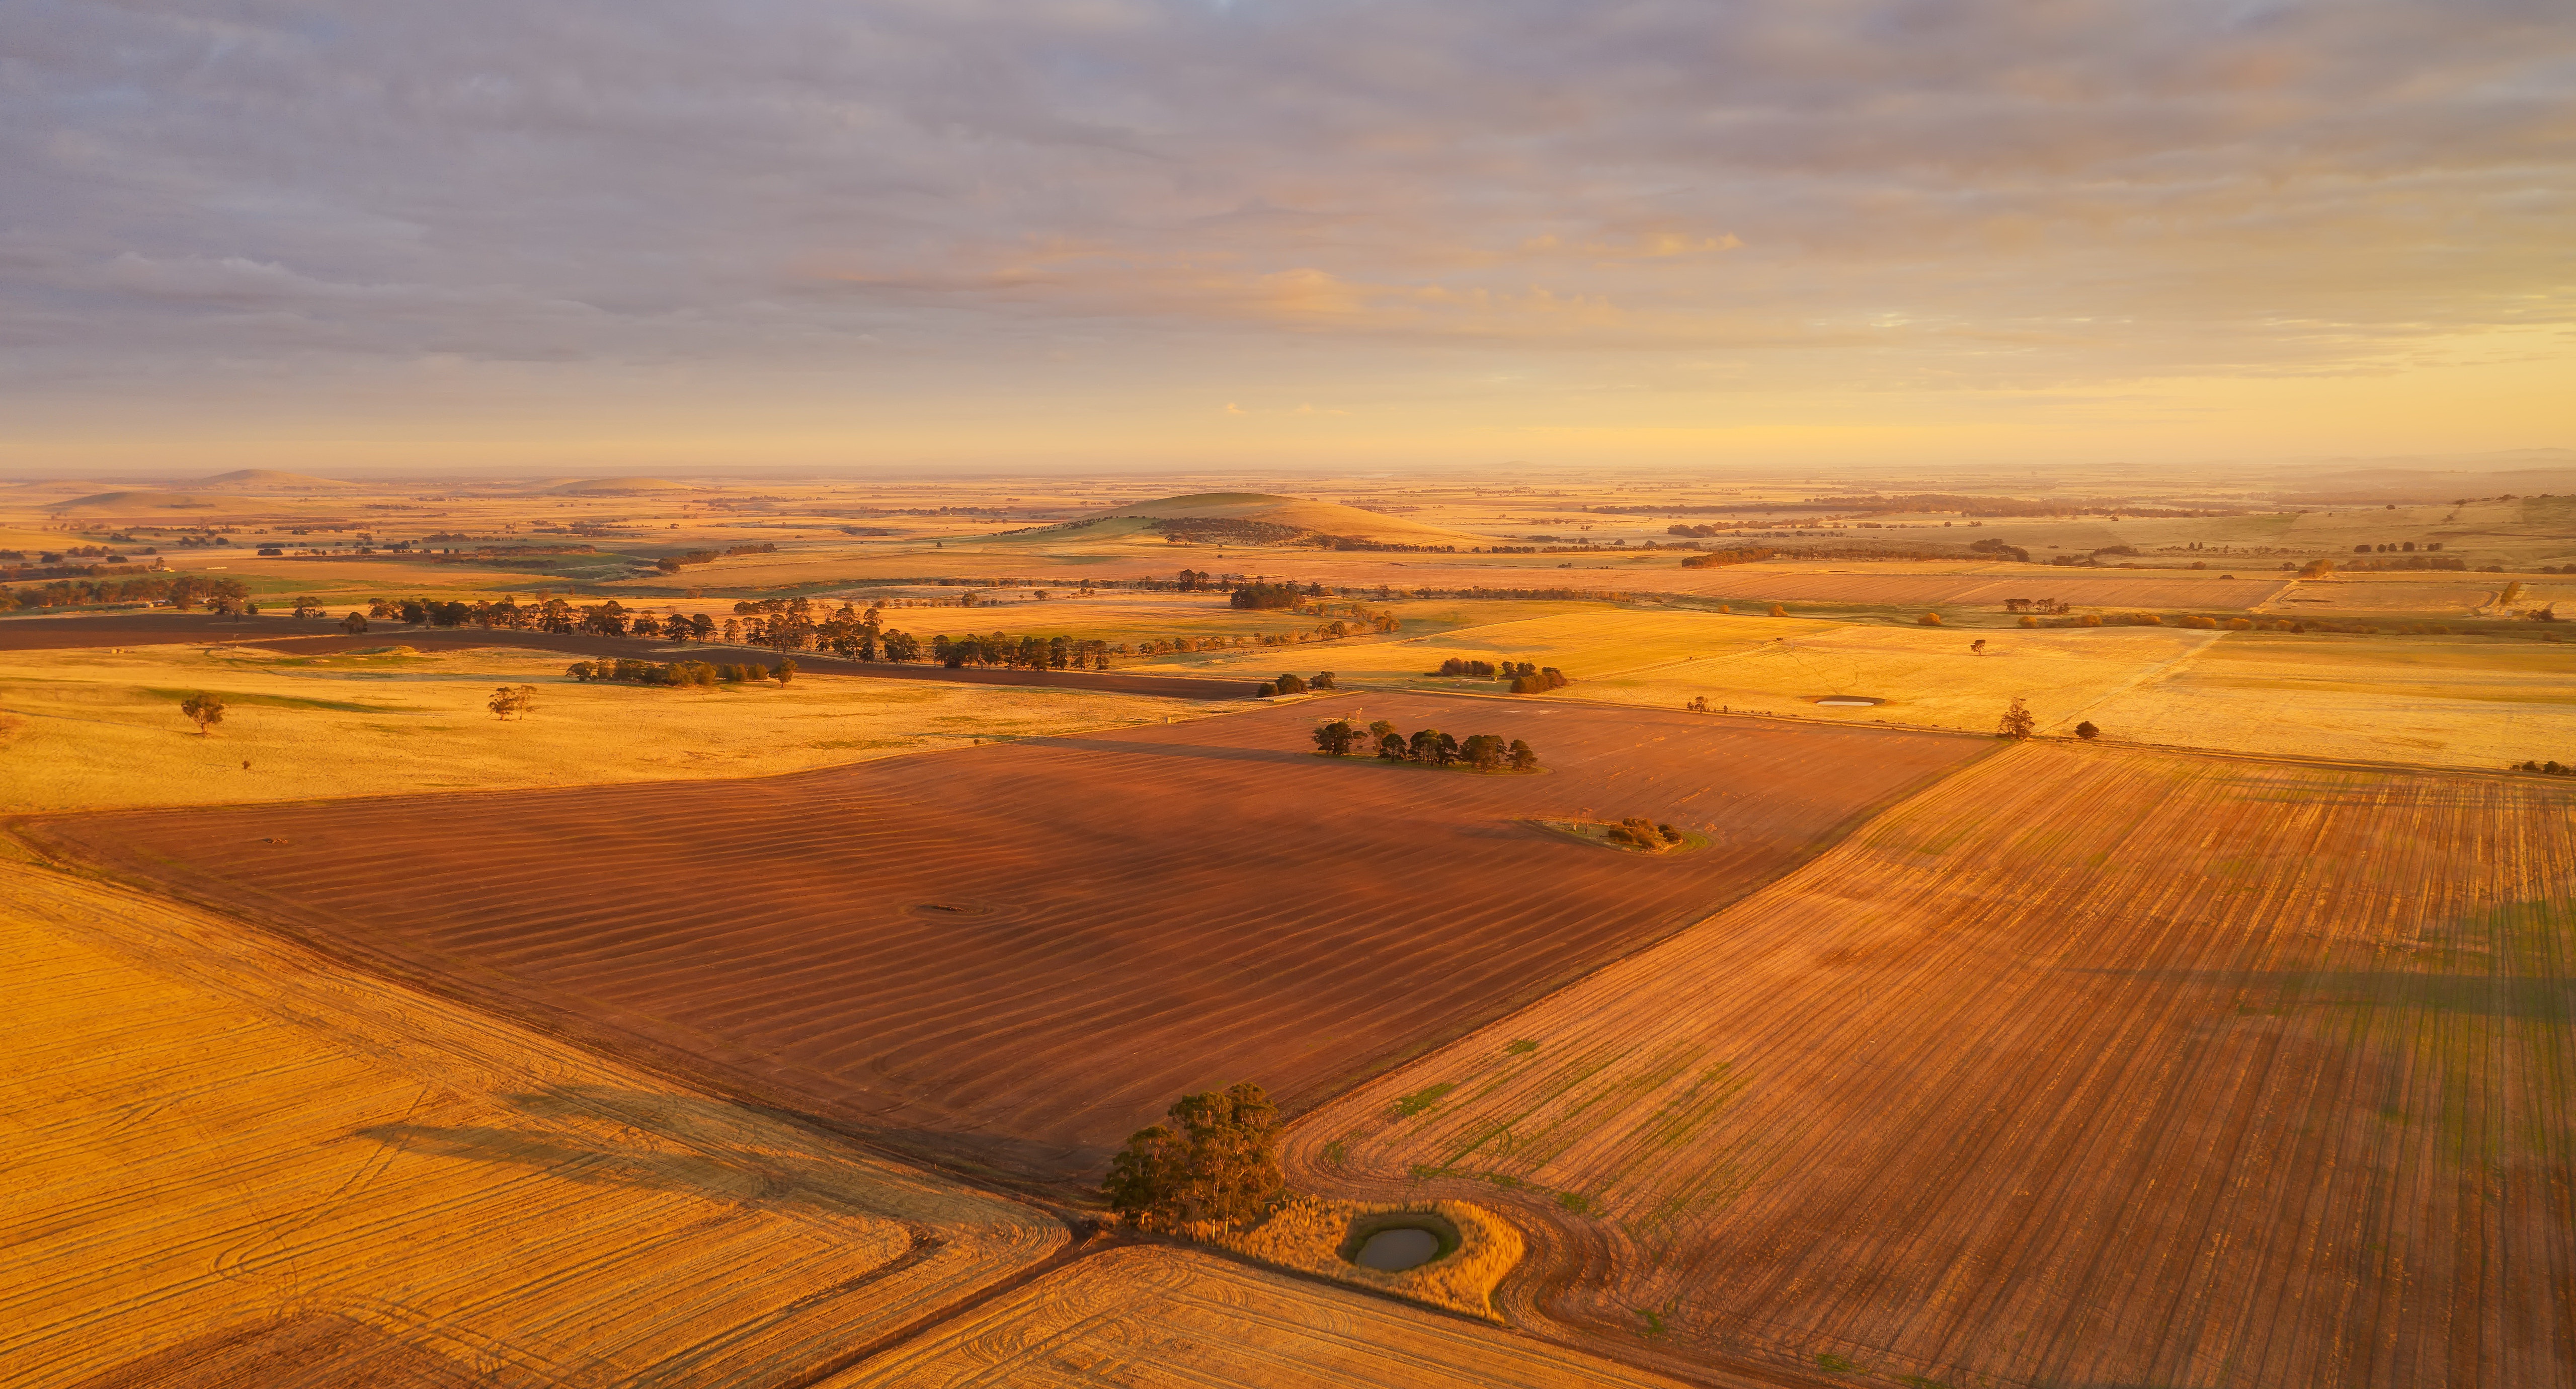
234,1164
1594,638
1927,676
91,728
2445,701
1904,585
2084,1066
1017,955
1161,1318
2430,594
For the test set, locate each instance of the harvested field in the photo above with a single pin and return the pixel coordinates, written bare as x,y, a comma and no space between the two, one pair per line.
1160,1318
1020,954
91,729
1583,644
1895,586
2081,1067
2426,594
234,1164
2445,701
1923,676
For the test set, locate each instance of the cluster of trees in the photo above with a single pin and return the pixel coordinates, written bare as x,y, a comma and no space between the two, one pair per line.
1717,559
671,564
2551,768
182,591
2000,550
1428,747
512,699
1290,684
1215,1160
2406,547
1544,678
684,673
1267,597
1028,653
1526,677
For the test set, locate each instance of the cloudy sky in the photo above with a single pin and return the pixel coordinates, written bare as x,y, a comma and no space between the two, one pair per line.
1188,232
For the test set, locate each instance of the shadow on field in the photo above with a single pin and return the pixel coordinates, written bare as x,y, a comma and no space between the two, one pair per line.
2469,995
662,1142
1142,749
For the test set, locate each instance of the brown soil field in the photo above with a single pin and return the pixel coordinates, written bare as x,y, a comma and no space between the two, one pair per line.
233,1163
2082,1067
1161,1318
1020,953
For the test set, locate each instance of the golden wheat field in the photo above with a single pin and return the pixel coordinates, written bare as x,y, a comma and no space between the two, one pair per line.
90,729
2443,701
216,1140
1590,640
2083,1066
1930,677
1164,1318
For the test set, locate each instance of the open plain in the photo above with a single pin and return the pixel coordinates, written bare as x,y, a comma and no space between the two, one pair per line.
1017,954
234,1164
2081,1067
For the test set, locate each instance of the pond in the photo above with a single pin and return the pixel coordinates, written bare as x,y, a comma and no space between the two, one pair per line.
1392,1251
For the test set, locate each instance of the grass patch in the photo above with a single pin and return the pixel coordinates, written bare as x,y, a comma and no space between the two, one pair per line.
1423,1098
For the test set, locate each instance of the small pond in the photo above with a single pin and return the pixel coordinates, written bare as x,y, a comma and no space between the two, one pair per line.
1393,1251
1848,702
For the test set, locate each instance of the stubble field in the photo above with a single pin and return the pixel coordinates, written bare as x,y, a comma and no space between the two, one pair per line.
232,1164
91,728
2081,1067
1158,1318
1017,955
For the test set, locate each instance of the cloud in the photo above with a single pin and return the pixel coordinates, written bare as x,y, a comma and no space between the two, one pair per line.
1868,190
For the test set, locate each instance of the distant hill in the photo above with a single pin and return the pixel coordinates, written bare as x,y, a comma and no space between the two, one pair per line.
146,501
1302,515
616,486
271,480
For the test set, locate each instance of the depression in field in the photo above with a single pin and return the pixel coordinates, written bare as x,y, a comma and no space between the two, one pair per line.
1180,695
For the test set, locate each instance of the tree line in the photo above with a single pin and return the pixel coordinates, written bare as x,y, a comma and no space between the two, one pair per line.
183,591
697,673
1428,747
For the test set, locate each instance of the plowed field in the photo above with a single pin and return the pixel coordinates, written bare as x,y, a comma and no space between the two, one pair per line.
2080,1068
1168,1319
1018,954
233,1165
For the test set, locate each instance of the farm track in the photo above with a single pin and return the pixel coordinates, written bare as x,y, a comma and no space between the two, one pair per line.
2081,1067
314,636
1010,957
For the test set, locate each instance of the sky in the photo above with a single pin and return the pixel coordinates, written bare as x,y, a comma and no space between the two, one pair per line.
1099,234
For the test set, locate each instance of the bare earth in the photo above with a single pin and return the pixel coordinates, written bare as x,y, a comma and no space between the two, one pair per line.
1018,954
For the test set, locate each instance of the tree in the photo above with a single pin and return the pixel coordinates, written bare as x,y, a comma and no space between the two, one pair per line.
355,624
1291,684
1977,647
784,671
1322,681
2087,731
1485,751
512,699
1216,1159
2016,722
307,607
204,710
1391,746
1523,760
1929,620
1337,737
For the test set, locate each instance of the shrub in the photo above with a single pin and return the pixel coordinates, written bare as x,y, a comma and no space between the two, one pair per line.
204,710
2087,731
2029,621
1928,620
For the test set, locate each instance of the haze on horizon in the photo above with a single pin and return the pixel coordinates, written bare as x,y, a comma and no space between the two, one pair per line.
1170,233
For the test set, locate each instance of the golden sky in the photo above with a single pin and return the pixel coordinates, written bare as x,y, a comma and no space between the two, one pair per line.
1099,233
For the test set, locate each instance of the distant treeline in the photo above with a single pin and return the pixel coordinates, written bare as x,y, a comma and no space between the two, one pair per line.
698,673
1715,559
181,591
